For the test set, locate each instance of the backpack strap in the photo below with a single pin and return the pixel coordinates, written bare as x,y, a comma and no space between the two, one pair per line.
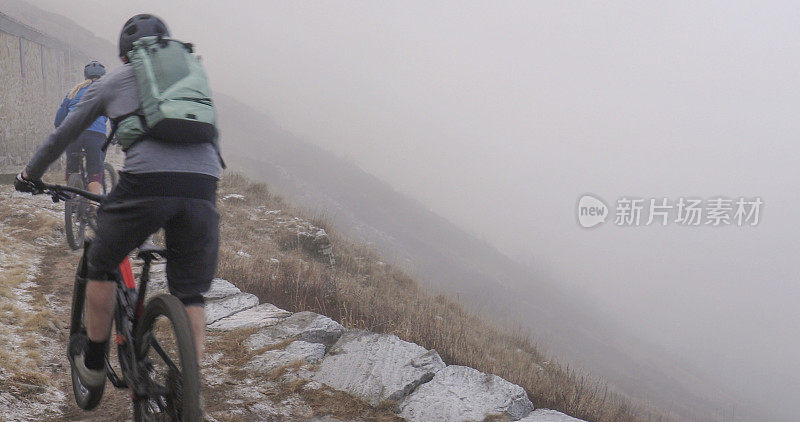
115,125
219,155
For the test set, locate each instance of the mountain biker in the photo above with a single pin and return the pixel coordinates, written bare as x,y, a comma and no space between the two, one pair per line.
91,141
162,185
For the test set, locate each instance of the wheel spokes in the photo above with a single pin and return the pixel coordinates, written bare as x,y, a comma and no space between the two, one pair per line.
161,352
163,399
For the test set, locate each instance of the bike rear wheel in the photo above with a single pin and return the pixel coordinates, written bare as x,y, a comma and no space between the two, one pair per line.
166,349
74,215
87,398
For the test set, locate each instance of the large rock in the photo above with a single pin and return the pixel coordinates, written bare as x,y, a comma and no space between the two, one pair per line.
377,367
547,415
305,326
158,284
221,288
262,315
220,308
460,393
296,351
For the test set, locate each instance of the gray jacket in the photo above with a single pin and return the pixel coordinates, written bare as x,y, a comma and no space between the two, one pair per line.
115,95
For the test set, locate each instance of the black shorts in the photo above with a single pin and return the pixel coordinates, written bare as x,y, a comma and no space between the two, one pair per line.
91,143
191,225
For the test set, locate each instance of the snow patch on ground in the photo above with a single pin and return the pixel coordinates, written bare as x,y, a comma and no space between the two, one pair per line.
26,393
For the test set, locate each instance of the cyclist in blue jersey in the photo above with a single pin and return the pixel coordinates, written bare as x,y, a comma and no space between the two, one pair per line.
92,139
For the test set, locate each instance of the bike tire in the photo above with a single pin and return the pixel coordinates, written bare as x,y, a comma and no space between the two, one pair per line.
109,178
74,221
87,398
187,405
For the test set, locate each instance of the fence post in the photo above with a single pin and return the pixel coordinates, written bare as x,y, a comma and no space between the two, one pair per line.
21,57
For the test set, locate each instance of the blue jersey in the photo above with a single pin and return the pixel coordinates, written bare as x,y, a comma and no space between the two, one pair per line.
71,101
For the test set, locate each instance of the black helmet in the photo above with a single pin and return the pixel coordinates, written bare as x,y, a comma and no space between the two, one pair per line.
139,26
94,70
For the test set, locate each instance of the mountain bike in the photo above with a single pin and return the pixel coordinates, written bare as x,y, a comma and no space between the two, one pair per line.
155,348
78,211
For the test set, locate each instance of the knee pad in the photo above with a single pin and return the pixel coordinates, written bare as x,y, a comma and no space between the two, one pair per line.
96,177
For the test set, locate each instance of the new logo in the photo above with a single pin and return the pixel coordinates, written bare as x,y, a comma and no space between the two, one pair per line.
591,211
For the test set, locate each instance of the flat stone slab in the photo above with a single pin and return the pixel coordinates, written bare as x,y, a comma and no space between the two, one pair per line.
221,308
547,415
296,351
221,288
305,326
262,315
377,367
460,393
158,284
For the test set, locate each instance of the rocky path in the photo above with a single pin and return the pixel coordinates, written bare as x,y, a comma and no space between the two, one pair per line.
303,357
56,277
36,275
263,363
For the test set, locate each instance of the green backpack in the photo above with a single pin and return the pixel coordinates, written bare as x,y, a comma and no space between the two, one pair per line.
175,99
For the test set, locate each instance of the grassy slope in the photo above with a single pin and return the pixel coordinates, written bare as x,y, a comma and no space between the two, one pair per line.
448,259
361,291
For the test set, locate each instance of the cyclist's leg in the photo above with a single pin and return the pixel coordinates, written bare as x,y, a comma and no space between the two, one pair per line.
192,237
93,143
72,162
123,224
197,317
99,309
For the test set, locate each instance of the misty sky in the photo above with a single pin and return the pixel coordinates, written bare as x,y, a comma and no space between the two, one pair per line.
499,116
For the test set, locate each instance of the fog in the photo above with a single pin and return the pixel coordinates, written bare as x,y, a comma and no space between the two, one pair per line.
499,116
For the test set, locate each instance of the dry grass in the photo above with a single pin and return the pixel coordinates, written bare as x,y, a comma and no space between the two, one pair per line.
13,275
38,321
6,292
24,384
344,406
227,417
35,226
236,356
362,292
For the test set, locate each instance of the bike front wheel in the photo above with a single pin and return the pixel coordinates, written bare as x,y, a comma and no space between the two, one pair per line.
75,215
86,398
166,352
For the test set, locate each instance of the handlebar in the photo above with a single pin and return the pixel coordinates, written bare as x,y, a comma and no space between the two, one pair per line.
60,193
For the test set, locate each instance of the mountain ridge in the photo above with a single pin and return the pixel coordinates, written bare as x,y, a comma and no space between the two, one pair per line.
296,168
447,258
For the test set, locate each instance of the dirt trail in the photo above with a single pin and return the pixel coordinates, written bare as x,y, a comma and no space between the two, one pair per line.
37,272
56,277
36,278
